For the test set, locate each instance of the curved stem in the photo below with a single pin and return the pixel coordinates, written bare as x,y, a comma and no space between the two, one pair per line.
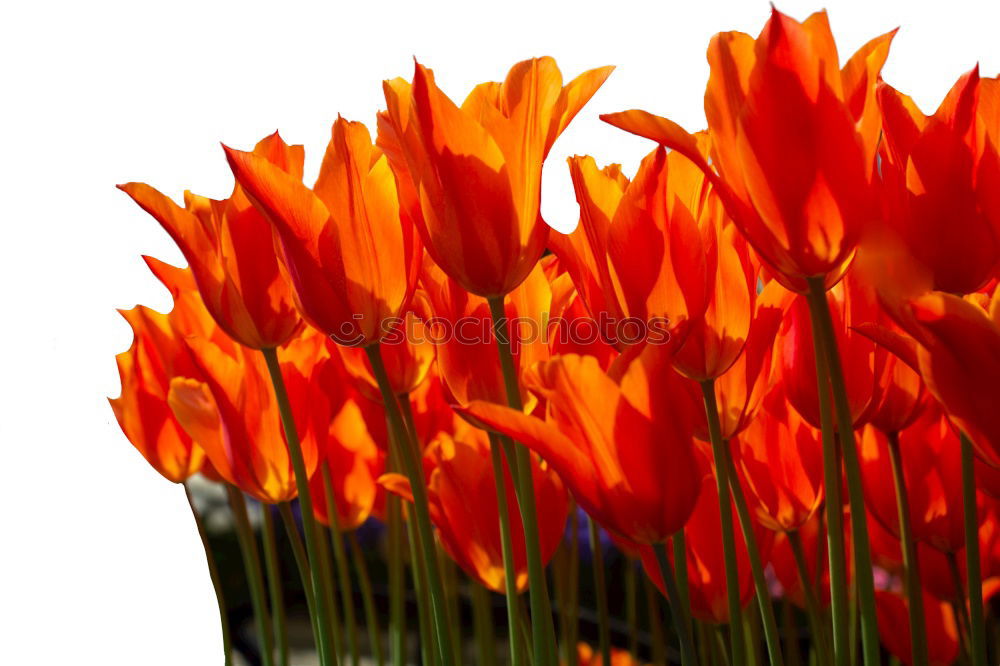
275,591
255,576
911,566
367,598
977,622
681,616
818,309
959,605
601,592
507,548
543,630
425,536
813,614
737,644
771,635
320,582
213,572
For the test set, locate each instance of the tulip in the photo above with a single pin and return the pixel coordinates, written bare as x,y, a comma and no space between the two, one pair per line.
780,460
705,566
851,303
350,257
158,355
623,446
812,579
229,248
942,631
936,172
464,507
476,169
234,415
466,354
794,141
586,656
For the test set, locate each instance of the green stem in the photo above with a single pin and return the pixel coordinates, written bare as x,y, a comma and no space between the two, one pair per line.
601,592
507,548
255,575
573,630
340,562
482,612
320,583
771,635
864,575
367,598
681,615
677,545
959,604
632,608
659,647
301,562
911,566
429,650
813,613
275,591
397,574
818,311
414,472
213,572
543,630
977,622
737,643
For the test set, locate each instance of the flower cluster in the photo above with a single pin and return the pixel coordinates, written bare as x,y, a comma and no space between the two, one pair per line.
786,384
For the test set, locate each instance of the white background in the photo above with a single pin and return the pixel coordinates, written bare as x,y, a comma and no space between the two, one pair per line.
99,559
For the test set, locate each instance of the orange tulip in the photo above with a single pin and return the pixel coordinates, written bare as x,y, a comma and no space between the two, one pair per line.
794,142
353,445
575,330
937,572
705,565
463,505
779,459
960,361
407,352
158,355
233,414
937,172
476,169
229,248
932,469
467,353
740,390
350,256
660,246
894,628
851,304
622,444
902,397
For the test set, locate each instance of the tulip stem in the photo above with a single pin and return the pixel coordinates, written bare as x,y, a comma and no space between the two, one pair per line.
813,614
406,445
367,597
397,586
818,309
601,592
977,623
340,562
320,582
301,563
959,605
737,644
213,572
573,583
255,575
543,631
482,612
679,548
911,566
864,575
771,635
659,647
682,618
507,548
275,590
632,608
